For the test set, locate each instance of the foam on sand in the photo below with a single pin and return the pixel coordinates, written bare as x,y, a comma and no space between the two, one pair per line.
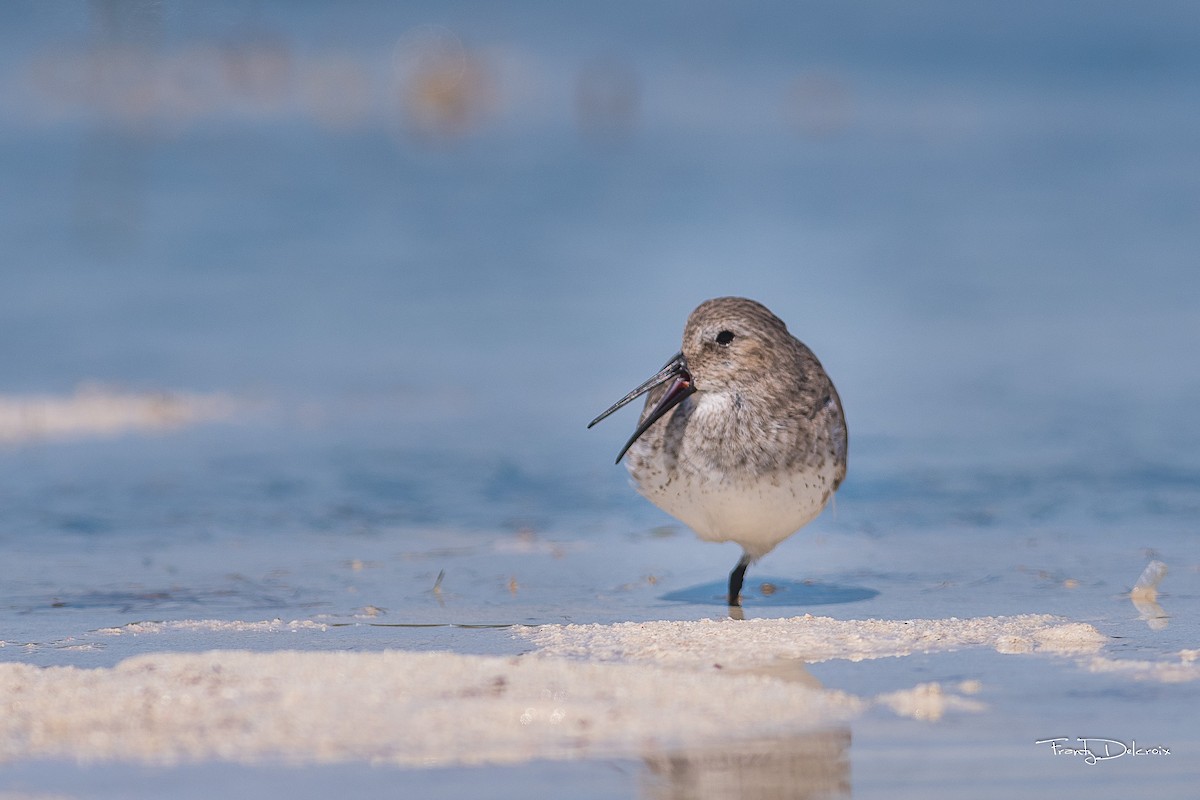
213,626
633,689
395,707
1181,670
734,643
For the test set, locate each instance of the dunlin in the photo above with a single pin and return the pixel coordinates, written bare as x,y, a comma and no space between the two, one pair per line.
742,437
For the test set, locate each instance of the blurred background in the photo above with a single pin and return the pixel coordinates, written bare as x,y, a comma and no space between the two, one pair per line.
366,266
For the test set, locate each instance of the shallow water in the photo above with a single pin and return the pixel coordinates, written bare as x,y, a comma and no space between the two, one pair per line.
984,224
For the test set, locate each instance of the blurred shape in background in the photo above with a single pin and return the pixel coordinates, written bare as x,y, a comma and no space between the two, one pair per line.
338,91
120,89
607,100
258,69
444,90
819,104
192,86
121,63
95,411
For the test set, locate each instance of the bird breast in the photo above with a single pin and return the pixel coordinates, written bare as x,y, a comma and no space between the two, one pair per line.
733,472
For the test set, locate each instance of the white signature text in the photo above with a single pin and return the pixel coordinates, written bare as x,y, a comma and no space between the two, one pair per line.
1096,749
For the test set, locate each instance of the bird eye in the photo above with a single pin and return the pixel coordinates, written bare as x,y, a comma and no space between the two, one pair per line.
724,337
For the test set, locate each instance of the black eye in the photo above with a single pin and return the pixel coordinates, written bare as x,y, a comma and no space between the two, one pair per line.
724,337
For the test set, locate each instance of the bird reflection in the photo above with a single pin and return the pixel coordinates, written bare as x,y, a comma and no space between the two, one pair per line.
1144,596
815,764
811,765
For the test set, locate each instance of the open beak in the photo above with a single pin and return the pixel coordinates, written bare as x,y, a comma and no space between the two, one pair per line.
675,371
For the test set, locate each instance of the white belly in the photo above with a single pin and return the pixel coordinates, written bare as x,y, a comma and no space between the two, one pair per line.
757,514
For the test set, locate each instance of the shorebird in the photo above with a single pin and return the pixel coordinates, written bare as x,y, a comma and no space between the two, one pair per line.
742,437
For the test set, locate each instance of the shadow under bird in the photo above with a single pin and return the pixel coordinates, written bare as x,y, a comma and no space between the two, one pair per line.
742,436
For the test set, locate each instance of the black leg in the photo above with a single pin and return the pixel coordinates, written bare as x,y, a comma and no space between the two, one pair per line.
735,581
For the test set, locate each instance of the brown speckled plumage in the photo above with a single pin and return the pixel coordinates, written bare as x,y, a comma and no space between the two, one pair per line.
756,442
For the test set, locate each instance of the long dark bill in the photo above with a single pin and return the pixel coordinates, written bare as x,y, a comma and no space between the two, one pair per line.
674,370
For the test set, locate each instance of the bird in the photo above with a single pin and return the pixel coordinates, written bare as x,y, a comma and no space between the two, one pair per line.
742,436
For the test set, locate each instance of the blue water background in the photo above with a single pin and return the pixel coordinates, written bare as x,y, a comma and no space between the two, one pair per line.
984,219
424,243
